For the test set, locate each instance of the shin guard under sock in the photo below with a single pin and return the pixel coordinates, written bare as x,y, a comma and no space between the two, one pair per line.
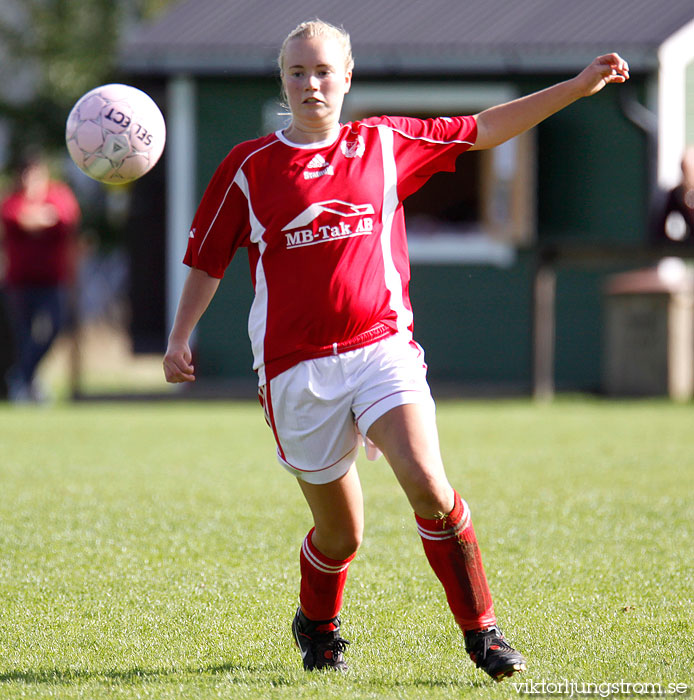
322,582
451,547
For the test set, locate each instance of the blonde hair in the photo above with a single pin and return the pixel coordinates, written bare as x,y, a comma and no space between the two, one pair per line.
319,28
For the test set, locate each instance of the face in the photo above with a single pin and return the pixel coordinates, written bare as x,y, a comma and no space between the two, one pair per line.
35,179
315,81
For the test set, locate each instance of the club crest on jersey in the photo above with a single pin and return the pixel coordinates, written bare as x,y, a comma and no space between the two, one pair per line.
353,148
344,220
318,167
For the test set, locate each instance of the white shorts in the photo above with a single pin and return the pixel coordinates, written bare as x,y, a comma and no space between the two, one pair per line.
321,410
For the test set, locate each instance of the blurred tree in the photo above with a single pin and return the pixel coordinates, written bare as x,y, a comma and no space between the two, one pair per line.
53,51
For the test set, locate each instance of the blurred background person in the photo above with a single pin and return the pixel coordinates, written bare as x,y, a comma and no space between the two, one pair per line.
40,218
676,221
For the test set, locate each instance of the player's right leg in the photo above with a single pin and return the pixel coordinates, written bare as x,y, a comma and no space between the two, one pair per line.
20,313
309,410
338,515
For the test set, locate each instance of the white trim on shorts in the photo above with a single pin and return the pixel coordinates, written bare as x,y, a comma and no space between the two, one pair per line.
320,410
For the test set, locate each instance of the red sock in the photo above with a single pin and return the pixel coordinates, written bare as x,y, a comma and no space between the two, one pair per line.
451,548
322,582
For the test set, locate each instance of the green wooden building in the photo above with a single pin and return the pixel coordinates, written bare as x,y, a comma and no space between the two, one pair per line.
516,246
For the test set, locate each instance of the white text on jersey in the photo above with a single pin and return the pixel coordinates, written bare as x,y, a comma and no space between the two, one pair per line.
323,234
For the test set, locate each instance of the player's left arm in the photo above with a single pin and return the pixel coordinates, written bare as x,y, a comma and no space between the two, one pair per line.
501,123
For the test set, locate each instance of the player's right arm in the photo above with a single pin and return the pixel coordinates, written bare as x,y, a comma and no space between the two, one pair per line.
197,294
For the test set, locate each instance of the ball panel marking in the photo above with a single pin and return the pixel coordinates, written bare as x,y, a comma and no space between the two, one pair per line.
115,133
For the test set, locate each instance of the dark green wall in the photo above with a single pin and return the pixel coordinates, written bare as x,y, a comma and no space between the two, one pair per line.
593,184
579,324
228,112
592,173
475,322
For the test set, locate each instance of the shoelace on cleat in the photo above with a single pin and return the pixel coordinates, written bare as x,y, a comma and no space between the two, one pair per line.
336,646
330,653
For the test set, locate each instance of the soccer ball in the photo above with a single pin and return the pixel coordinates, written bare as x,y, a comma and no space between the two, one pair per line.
115,133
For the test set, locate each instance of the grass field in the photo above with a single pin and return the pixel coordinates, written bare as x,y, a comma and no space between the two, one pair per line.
151,551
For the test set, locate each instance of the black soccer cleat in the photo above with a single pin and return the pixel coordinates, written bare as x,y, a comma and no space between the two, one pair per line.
319,642
490,652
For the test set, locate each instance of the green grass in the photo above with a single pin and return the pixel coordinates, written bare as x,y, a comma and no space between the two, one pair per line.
151,551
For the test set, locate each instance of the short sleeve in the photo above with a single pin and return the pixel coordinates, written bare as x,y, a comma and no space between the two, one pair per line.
221,223
424,147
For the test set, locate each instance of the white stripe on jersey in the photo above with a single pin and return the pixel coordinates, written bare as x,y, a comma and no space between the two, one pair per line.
428,140
226,193
416,138
257,318
392,280
219,209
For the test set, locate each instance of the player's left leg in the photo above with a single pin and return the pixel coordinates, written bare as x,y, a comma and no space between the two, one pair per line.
408,438
49,318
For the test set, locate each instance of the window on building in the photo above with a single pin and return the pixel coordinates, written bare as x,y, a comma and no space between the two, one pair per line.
486,209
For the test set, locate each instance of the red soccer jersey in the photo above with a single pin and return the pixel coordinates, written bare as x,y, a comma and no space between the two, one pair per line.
44,257
325,232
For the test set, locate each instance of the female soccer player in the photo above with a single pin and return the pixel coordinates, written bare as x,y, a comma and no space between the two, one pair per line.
318,205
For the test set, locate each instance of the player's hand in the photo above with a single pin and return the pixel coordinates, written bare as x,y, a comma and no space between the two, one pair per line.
37,217
610,68
177,363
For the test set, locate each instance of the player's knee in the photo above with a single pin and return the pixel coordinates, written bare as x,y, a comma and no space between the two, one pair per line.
348,543
430,497
340,544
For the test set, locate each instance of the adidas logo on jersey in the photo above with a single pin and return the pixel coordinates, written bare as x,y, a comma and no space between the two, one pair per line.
317,161
319,167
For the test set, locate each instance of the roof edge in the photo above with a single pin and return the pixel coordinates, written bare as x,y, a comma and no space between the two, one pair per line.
204,61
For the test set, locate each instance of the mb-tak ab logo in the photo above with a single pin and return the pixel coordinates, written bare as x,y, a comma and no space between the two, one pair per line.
344,220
